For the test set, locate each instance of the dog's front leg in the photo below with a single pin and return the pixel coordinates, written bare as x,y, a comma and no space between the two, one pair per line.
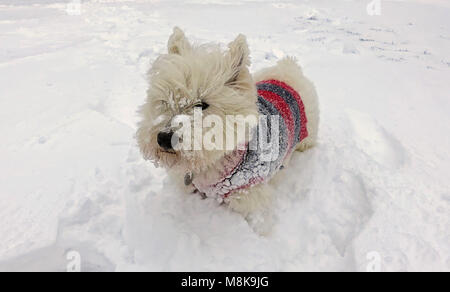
255,204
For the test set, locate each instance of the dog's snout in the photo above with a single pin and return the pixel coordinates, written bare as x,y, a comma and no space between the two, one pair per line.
165,140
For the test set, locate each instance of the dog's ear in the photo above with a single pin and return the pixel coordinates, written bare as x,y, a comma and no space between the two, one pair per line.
178,42
239,57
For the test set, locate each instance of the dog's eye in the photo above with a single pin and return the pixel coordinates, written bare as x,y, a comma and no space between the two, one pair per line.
203,105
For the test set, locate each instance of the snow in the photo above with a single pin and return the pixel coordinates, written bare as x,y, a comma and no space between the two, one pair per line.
376,188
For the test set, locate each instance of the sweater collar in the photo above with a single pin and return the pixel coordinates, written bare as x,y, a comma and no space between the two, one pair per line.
210,180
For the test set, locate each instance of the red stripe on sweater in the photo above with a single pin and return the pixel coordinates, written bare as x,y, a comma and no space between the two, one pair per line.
303,119
284,109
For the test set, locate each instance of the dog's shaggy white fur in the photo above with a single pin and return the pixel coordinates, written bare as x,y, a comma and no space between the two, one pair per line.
190,74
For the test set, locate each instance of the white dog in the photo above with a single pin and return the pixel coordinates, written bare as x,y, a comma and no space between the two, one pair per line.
205,85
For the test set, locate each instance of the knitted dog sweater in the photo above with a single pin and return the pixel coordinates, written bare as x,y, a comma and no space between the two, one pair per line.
246,168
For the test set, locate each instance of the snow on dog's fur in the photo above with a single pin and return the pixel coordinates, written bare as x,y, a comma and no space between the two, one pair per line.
192,75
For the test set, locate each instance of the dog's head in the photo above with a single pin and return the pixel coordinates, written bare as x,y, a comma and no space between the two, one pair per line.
189,82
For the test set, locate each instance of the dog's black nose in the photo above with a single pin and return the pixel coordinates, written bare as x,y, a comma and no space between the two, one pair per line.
165,140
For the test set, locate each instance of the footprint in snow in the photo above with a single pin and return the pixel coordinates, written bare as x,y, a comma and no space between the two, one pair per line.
375,141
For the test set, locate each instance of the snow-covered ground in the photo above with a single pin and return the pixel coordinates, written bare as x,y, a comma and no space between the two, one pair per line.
373,195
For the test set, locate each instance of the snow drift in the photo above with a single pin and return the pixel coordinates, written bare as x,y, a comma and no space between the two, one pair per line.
373,193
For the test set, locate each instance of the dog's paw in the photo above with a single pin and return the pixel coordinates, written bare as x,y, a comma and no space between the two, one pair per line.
261,222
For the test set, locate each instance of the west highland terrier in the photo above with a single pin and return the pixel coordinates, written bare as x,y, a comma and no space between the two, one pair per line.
222,132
